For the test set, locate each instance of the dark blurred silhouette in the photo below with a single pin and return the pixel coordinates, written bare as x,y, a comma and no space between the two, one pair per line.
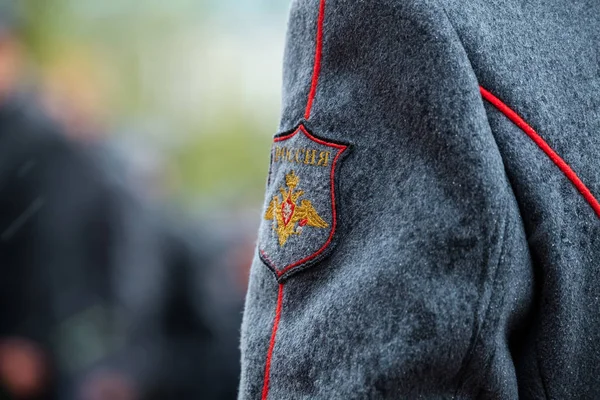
103,297
57,234
184,313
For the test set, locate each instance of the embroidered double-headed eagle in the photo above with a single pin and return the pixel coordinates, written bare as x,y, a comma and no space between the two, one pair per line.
289,217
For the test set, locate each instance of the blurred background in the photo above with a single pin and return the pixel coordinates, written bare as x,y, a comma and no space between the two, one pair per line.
134,146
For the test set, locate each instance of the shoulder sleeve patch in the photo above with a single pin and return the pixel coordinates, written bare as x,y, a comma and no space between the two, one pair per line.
300,216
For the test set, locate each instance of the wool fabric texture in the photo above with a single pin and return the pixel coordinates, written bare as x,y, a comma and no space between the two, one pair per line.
465,263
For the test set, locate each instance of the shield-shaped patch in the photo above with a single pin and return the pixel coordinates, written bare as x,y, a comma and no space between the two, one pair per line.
300,217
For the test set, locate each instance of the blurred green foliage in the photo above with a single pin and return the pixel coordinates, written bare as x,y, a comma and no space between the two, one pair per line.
231,163
132,53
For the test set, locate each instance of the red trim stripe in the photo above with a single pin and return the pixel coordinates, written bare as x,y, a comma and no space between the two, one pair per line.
311,98
318,56
542,144
265,392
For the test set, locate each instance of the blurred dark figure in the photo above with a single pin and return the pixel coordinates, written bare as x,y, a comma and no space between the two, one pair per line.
24,366
101,298
58,218
184,308
55,229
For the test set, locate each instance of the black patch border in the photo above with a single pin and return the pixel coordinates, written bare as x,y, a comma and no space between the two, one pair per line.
326,252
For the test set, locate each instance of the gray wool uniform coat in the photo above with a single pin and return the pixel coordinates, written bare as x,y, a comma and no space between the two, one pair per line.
431,225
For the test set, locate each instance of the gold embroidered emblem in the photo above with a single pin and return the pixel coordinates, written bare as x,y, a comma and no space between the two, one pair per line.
286,213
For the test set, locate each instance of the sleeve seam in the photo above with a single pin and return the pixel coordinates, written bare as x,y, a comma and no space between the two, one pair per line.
500,248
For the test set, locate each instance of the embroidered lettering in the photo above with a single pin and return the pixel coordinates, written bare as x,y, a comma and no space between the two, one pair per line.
323,159
298,155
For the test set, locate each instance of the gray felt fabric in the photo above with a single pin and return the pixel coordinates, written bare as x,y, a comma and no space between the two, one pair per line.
464,264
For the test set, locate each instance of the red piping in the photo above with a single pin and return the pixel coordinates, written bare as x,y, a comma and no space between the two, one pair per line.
265,392
311,98
318,56
542,144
